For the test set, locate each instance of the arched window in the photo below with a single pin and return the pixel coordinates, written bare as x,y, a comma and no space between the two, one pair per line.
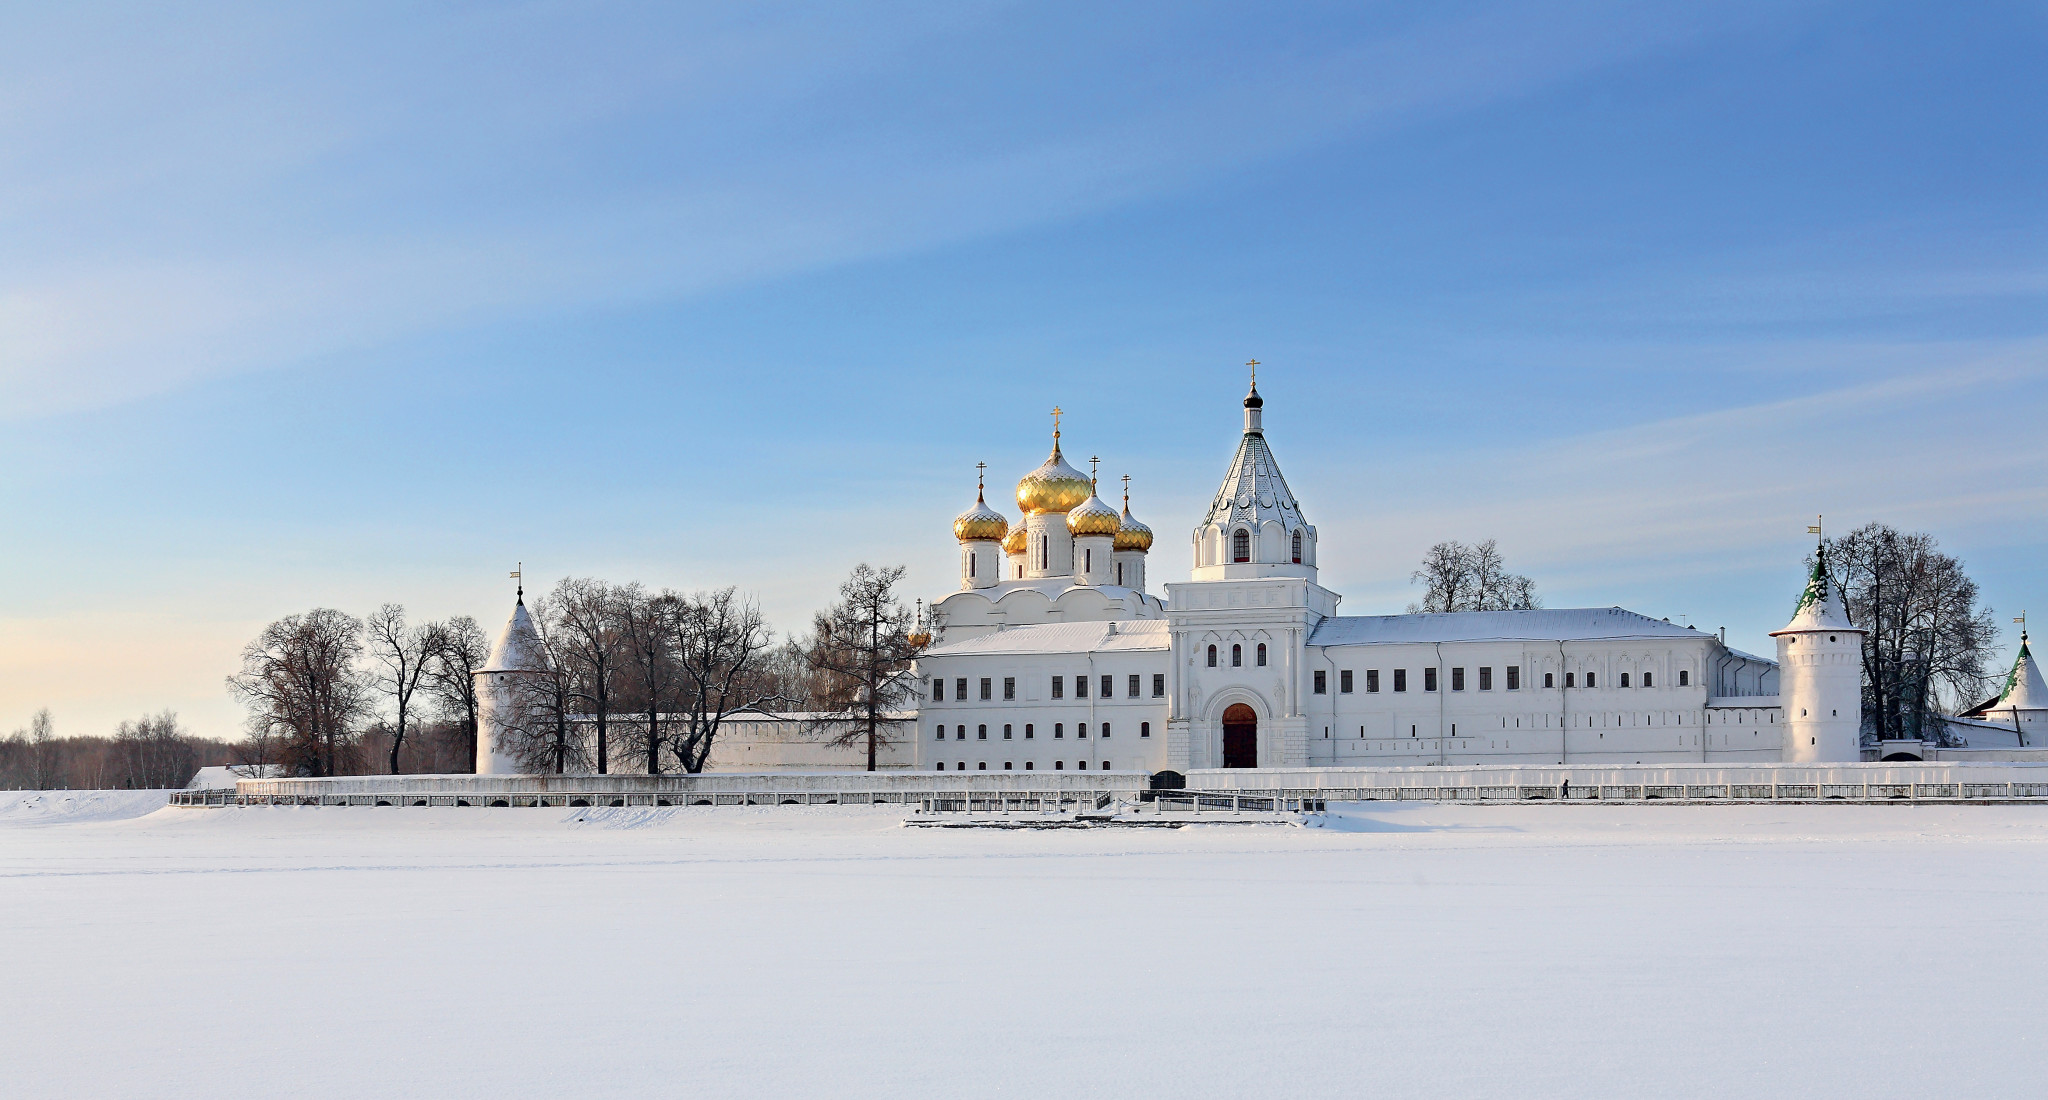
940,766
1684,677
1241,546
942,733
970,563
1297,548
1059,765
1262,655
1237,656
1119,572
1212,664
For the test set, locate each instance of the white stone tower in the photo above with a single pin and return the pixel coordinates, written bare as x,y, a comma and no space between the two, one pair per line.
1254,527
1820,675
502,704
981,530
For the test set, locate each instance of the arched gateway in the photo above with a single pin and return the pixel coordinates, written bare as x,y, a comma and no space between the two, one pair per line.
1240,737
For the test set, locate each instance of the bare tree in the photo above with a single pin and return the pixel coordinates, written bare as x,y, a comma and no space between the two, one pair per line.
720,647
400,655
543,736
645,636
152,753
1456,577
42,750
460,649
1927,646
586,632
861,649
300,681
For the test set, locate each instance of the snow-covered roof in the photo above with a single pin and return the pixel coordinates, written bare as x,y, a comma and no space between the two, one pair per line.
1543,624
518,647
2024,688
1821,606
1125,635
1253,490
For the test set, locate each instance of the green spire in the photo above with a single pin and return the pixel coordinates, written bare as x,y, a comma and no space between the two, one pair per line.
1817,584
2012,679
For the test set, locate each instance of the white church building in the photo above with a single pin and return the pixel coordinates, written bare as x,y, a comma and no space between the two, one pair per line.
1054,655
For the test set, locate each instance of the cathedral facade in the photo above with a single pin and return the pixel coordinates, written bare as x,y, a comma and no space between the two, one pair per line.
1055,655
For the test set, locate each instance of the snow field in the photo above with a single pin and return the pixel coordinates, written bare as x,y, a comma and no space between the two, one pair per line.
1398,950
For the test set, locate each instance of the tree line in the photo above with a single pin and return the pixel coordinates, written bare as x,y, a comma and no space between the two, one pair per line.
634,679
152,752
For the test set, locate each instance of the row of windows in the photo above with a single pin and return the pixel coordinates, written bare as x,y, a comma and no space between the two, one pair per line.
1059,730
1237,656
1106,688
1241,546
1513,677
1057,765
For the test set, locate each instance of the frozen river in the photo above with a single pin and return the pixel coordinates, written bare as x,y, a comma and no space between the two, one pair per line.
1400,950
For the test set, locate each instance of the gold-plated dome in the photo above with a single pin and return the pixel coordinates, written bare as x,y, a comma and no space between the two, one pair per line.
980,522
1130,534
1093,517
1015,543
1055,486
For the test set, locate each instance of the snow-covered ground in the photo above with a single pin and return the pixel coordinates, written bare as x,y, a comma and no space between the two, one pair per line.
1522,951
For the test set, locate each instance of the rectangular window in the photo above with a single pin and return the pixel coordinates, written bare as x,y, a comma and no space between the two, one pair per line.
1059,684
1344,682
960,688
1144,729
1684,677
1027,731
1486,677
1108,687
1429,678
987,689
1400,679
1159,685
1590,679
1080,687
1006,731
1571,679
1372,680
1009,687
938,689
1648,681
1133,686
1514,677
1322,682
1457,679
1059,729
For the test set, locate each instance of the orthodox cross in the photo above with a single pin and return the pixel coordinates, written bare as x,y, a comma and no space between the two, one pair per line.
1254,365
1055,421
1127,492
1093,461
978,468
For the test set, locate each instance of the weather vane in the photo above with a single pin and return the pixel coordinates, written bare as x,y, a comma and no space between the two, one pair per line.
1814,529
519,574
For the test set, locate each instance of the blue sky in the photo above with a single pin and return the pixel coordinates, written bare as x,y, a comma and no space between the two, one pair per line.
304,307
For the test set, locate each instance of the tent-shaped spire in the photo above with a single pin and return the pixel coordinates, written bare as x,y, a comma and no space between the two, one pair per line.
2024,688
518,648
1253,489
1821,606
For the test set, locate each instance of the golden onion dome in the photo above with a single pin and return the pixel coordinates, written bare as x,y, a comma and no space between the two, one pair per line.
1130,534
1055,486
1092,518
1015,543
980,522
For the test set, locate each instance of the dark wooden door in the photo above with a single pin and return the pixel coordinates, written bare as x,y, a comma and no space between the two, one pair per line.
1240,737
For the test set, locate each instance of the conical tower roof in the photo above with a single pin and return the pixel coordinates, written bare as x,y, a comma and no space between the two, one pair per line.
1253,490
518,648
2024,688
1821,606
